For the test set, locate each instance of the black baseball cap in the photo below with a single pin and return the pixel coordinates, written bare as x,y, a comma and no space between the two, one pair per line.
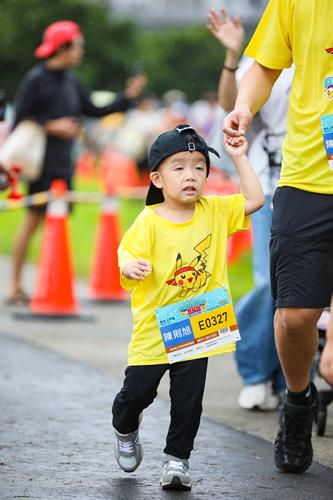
181,138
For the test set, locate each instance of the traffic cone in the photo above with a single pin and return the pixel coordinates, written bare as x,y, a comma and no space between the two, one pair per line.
53,294
118,171
105,276
238,244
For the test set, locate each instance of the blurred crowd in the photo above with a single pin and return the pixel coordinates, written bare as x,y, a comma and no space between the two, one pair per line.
126,137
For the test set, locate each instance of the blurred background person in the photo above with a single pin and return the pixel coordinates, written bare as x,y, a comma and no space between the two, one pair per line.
53,96
256,357
4,180
137,132
203,113
174,110
326,360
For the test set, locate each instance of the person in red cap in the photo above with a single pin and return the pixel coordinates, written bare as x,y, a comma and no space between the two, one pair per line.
53,96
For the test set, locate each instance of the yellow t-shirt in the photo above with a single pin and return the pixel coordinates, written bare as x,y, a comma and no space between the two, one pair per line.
198,246
300,31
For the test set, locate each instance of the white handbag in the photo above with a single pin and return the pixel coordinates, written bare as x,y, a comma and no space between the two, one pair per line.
25,147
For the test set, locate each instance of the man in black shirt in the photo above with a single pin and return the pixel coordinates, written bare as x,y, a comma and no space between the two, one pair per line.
54,97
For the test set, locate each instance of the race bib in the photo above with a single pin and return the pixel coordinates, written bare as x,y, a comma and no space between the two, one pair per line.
327,130
198,325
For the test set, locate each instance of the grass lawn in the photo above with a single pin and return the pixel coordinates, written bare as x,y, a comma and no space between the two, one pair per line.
83,228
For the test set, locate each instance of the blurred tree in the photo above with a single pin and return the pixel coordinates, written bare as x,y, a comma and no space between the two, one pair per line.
110,45
189,59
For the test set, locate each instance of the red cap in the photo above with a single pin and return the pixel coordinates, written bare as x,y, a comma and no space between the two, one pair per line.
56,35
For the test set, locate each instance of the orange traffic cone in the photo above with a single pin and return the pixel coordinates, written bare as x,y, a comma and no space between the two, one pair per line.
238,244
118,171
105,277
53,294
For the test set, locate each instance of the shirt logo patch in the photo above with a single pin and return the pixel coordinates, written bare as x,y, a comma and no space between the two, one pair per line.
328,86
330,50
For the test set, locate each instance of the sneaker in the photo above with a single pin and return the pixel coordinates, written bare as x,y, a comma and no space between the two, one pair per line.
258,396
175,474
128,450
293,447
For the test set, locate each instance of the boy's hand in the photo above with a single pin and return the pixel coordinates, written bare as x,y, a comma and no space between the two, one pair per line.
137,269
235,146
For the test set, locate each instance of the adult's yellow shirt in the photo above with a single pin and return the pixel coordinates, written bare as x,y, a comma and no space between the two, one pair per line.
300,31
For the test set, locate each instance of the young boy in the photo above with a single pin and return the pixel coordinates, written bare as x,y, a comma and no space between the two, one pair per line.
176,249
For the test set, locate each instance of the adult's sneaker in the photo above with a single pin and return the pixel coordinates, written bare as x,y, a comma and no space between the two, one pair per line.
293,448
258,397
175,474
128,450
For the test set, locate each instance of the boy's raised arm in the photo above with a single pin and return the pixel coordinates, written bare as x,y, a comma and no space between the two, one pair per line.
236,147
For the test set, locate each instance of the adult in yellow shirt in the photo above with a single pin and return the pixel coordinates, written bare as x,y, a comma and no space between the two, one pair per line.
299,32
176,249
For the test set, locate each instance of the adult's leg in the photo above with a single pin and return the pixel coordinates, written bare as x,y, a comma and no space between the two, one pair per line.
138,392
187,383
296,338
302,277
30,223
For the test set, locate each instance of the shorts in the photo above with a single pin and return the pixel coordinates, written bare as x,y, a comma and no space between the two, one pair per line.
42,184
301,248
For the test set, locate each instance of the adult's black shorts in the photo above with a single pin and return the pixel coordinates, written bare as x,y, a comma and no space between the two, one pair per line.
301,248
43,184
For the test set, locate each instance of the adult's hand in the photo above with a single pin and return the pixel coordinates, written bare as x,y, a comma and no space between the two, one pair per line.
135,85
237,122
65,128
228,31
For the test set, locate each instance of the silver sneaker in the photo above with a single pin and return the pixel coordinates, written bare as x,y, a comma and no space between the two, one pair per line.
128,451
175,474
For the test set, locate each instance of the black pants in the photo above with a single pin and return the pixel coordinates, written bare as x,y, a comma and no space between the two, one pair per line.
187,383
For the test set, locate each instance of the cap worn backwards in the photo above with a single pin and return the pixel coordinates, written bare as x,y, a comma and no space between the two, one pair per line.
181,138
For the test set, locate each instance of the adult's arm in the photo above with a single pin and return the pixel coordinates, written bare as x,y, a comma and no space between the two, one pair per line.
254,90
134,86
88,108
230,33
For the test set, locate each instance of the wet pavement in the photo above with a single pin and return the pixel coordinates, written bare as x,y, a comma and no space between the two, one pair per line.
57,383
56,441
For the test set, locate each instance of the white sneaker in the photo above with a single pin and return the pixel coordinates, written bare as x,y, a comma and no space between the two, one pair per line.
175,474
128,451
258,396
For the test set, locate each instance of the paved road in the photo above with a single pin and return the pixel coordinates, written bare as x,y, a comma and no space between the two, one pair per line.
56,441
58,380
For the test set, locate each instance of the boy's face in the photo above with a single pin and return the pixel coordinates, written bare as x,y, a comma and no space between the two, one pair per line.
181,177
